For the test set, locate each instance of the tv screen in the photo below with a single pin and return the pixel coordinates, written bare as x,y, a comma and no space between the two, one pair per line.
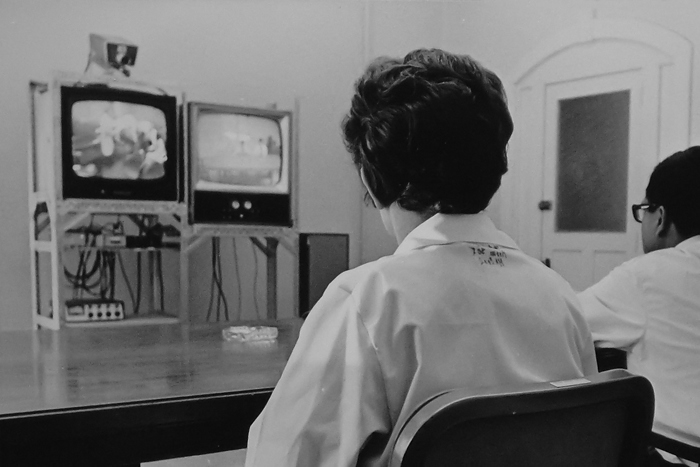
240,152
119,144
118,140
240,159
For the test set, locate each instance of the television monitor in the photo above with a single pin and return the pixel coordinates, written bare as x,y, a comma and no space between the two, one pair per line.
119,144
240,165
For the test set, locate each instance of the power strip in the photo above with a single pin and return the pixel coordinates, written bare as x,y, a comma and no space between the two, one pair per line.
82,310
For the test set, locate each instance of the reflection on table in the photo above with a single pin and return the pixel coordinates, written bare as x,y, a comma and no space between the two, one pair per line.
132,394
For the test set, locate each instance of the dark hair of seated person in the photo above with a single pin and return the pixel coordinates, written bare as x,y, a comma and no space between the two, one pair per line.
430,131
675,185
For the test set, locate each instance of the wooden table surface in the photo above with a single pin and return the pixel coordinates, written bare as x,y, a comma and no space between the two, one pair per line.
171,375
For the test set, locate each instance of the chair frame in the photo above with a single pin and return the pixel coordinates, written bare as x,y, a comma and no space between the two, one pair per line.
609,358
677,448
432,418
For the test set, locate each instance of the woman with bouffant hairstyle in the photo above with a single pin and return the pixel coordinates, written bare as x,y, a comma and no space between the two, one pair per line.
430,132
457,305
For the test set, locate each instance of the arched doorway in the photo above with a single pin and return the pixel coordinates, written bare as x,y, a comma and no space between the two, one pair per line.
596,107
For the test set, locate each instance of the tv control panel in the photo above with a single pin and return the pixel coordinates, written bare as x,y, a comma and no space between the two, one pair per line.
242,208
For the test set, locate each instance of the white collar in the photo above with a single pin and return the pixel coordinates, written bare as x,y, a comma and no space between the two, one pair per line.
442,229
689,243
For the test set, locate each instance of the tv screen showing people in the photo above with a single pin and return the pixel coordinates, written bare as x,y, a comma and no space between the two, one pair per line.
238,151
118,140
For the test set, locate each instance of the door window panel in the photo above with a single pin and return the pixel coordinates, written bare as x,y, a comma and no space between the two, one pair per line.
592,165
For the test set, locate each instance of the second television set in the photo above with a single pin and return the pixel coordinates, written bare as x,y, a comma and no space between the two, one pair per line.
241,168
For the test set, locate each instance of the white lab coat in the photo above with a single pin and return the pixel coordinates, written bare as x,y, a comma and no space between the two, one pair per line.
458,304
650,306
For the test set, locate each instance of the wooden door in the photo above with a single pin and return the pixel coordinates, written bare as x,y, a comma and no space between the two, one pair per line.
593,141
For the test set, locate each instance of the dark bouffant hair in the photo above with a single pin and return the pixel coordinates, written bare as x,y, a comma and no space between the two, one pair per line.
430,132
675,185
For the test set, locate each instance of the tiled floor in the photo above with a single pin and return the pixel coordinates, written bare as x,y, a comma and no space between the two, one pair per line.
219,459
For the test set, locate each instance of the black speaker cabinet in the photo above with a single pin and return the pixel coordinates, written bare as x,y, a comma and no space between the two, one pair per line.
322,256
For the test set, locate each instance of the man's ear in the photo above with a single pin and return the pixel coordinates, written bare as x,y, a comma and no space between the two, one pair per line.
663,223
368,187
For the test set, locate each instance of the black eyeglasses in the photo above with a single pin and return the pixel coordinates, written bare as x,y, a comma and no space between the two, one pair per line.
636,208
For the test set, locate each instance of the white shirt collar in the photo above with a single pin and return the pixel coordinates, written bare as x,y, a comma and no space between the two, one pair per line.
451,228
689,243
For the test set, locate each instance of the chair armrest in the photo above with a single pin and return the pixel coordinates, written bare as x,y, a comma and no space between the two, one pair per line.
677,448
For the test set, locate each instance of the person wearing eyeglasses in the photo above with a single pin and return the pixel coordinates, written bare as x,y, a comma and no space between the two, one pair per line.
650,305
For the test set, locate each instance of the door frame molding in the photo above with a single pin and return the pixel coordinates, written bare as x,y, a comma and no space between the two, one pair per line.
517,211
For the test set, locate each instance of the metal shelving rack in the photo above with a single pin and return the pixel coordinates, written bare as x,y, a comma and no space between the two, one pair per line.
51,217
266,238
50,220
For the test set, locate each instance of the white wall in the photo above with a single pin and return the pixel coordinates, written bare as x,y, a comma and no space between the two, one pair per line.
394,29
501,32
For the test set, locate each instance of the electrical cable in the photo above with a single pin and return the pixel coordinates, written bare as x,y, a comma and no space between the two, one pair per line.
216,283
95,274
126,280
80,279
102,279
103,274
239,286
96,277
112,264
74,278
222,296
211,288
82,275
215,273
159,269
255,280
138,283
219,284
